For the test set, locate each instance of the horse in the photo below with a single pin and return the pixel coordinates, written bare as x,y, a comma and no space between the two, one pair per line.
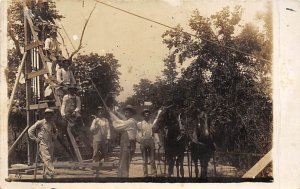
201,144
174,141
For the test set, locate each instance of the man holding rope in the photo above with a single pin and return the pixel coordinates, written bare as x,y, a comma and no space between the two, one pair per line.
127,128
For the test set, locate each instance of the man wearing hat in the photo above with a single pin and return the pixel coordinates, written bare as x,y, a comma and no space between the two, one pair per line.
127,128
147,142
44,132
53,51
101,131
71,106
64,77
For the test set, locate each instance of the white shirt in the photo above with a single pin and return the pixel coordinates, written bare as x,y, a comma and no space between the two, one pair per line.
65,76
100,129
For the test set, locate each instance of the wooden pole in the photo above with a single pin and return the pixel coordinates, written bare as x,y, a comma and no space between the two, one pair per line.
259,166
16,82
28,69
15,143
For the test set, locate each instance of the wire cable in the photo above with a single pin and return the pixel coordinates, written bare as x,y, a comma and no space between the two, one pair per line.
167,26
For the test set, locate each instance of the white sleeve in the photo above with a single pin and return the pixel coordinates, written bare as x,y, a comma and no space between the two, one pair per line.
108,129
32,130
78,104
94,127
59,77
47,43
63,105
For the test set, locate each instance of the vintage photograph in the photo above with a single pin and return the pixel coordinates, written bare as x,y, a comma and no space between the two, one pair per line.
159,91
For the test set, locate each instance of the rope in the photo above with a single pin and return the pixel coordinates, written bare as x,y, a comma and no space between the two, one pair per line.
170,27
67,35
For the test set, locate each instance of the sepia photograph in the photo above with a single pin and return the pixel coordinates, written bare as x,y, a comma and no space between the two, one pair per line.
140,91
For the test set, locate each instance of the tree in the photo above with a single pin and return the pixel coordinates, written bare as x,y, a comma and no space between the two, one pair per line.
224,81
232,86
101,71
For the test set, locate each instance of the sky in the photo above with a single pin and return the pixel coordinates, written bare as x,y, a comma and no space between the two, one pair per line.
137,43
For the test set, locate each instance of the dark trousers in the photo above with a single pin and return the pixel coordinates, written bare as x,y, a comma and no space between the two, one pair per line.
148,151
100,151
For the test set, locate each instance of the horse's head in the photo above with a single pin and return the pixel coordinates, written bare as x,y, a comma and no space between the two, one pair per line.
202,127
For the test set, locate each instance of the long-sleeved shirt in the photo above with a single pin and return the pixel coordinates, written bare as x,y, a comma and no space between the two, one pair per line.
100,128
43,130
65,76
70,104
128,125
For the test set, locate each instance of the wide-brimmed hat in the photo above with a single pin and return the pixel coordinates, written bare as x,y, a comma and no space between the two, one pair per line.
130,108
48,110
145,110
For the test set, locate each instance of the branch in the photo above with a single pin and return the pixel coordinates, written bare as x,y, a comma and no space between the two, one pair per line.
63,41
81,38
16,42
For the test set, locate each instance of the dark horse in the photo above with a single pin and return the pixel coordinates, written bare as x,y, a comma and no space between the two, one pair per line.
202,146
174,141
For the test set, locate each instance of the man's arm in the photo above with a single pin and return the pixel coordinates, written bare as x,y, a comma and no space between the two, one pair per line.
108,129
59,77
32,131
63,106
119,124
94,127
47,44
78,104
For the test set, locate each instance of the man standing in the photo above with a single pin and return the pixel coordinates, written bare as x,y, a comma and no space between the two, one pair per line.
127,129
101,131
44,132
147,143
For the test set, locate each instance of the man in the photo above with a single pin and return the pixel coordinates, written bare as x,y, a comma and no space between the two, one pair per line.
101,131
53,51
64,77
147,142
44,132
127,129
71,106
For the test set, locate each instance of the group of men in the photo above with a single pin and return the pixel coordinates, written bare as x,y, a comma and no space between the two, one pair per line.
130,131
45,131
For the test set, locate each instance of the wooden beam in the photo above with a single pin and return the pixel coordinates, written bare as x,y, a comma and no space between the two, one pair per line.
36,73
38,106
42,56
259,166
74,144
33,45
16,82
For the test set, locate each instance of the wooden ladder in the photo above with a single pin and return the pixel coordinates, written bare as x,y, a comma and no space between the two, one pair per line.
45,70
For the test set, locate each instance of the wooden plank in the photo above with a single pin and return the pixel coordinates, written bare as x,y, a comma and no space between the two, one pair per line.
33,45
17,81
36,73
74,144
38,106
259,166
